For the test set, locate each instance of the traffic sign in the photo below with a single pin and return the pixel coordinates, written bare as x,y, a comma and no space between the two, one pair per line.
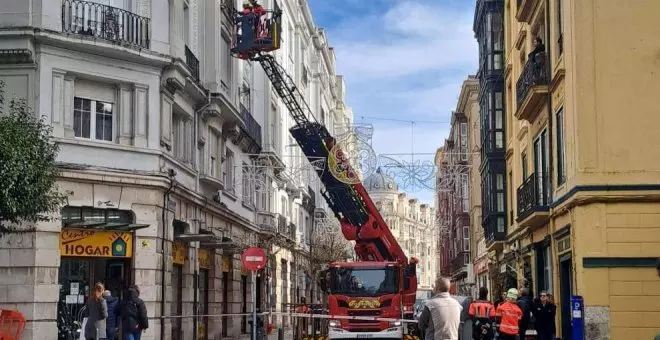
254,259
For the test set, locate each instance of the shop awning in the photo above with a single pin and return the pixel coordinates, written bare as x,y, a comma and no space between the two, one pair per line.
108,226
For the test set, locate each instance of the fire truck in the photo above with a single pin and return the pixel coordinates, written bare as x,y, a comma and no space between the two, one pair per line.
382,283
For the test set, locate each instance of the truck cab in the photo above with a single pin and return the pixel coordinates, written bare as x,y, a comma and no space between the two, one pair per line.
365,289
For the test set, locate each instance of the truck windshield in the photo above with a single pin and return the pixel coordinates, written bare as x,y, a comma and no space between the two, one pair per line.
365,281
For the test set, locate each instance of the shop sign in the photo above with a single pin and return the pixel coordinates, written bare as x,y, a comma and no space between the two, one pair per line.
95,243
179,253
226,264
204,258
481,266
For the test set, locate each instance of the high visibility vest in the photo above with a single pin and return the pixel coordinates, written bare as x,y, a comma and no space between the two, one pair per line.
482,310
510,314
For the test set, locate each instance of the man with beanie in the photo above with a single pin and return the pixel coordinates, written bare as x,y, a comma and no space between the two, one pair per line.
508,315
441,316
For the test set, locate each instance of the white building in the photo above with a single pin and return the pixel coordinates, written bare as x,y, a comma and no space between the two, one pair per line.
411,222
164,141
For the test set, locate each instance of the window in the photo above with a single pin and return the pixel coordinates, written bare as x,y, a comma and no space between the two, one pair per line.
245,96
229,178
226,63
247,184
182,137
560,28
186,23
264,193
541,167
465,194
500,192
561,162
464,142
524,166
215,155
466,238
499,121
92,119
274,123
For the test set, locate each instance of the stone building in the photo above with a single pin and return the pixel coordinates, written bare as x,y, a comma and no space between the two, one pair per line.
411,222
177,157
570,86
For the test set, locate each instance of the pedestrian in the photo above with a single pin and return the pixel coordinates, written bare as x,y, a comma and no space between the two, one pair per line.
508,315
133,315
111,321
482,313
441,316
526,304
544,313
97,313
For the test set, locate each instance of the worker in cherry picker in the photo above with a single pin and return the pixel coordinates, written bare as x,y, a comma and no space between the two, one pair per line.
246,23
257,9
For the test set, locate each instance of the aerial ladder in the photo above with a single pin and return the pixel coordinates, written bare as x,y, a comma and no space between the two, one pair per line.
378,252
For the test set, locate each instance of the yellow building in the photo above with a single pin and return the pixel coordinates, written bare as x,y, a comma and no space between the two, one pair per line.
581,141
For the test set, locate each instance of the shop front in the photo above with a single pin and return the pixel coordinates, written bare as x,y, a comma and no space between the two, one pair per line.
96,245
481,273
204,258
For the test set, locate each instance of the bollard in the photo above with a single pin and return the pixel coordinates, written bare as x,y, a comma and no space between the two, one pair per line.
280,333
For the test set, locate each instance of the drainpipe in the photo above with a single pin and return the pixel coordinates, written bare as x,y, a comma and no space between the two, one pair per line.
166,196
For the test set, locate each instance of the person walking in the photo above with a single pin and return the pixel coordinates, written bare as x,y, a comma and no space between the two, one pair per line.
111,321
97,313
482,313
544,313
508,314
133,315
441,316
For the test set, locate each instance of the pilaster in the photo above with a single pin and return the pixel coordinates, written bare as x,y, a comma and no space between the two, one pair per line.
140,96
68,95
126,110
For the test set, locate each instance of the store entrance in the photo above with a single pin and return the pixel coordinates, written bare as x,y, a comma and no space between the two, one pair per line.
77,276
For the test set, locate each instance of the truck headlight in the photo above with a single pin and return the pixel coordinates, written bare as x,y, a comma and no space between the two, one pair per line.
334,323
395,324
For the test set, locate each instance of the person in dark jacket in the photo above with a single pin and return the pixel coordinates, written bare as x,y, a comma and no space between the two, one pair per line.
111,321
544,313
526,305
133,315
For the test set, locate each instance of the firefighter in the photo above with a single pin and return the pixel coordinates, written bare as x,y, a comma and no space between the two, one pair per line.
258,9
245,39
482,313
508,314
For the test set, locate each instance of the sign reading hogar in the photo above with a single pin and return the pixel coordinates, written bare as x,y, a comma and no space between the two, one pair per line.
95,243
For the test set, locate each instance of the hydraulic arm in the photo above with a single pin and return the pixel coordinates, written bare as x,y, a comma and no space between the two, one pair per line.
360,219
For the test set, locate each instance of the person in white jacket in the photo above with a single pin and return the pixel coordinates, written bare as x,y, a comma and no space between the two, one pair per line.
441,316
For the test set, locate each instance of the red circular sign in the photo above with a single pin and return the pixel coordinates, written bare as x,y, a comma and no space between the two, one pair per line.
254,258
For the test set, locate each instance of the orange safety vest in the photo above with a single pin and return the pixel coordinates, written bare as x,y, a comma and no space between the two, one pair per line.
302,309
510,314
481,310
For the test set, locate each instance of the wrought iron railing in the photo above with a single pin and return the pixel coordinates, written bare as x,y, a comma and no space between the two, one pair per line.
193,63
251,126
533,195
535,73
105,22
459,262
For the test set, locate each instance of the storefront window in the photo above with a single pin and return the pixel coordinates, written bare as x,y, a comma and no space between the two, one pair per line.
87,217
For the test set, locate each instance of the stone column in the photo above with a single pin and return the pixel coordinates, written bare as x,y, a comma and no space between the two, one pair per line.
68,96
29,264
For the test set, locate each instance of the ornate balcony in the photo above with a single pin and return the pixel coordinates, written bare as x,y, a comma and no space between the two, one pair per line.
267,221
252,129
459,264
533,205
193,63
532,87
105,22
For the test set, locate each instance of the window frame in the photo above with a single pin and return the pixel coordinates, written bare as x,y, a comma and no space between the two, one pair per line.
93,121
560,146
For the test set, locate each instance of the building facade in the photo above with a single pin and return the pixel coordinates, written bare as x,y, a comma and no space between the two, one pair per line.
411,222
581,191
176,157
453,191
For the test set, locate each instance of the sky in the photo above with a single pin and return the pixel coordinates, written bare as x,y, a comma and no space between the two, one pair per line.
403,62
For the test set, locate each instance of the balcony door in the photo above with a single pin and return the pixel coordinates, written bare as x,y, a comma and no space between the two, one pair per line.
541,168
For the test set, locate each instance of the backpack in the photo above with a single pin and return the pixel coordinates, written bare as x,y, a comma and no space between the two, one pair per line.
132,316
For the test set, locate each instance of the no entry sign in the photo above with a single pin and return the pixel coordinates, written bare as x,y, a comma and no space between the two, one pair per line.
253,259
